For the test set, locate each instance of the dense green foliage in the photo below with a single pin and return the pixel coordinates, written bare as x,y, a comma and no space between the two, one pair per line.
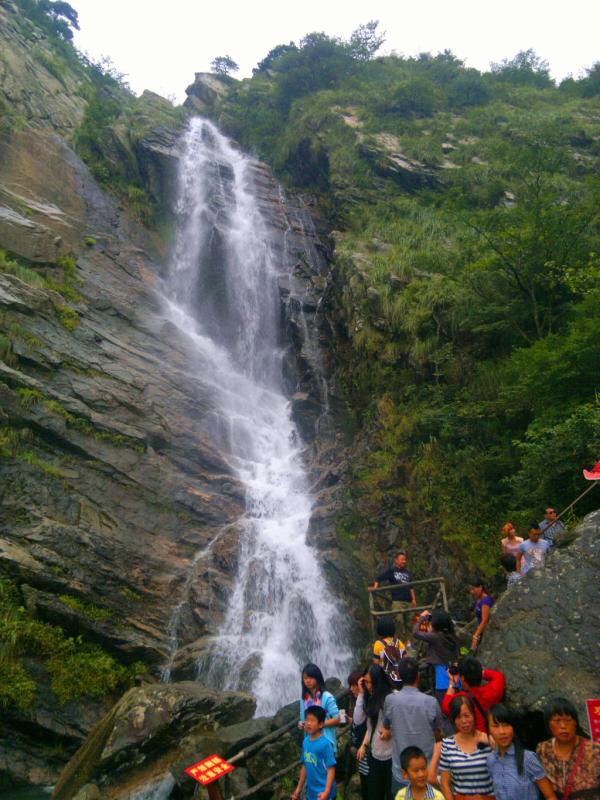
73,667
55,16
468,274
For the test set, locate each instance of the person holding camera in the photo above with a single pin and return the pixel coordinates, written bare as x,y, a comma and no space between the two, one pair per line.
441,645
485,687
374,687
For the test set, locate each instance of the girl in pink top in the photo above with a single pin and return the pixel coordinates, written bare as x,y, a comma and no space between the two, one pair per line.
511,541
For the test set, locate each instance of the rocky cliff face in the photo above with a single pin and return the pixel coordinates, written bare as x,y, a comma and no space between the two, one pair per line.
109,486
117,511
36,85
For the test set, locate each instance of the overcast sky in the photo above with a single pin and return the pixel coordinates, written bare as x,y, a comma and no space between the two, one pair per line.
160,45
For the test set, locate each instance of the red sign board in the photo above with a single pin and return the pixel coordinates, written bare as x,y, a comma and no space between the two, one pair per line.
209,769
593,710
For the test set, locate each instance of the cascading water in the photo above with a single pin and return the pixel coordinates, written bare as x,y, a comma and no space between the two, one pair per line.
223,294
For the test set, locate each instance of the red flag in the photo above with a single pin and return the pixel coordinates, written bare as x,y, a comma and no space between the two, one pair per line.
592,474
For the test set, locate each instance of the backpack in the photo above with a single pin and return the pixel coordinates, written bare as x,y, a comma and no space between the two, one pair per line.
390,658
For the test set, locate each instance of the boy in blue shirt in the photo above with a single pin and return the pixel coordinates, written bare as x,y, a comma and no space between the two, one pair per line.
318,759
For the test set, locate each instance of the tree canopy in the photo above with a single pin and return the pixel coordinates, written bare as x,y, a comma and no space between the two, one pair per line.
524,68
365,41
224,65
57,16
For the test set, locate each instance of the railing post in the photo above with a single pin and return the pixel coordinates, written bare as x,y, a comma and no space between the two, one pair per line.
443,591
214,791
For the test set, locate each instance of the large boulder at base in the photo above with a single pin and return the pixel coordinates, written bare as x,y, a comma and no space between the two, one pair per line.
148,731
544,632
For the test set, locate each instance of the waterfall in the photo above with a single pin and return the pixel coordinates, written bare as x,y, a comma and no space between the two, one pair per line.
222,293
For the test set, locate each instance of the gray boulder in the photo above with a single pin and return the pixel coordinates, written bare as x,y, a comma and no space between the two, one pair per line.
544,632
236,737
272,757
152,731
203,93
89,792
29,239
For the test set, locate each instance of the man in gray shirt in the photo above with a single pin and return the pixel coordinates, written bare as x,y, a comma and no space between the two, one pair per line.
411,718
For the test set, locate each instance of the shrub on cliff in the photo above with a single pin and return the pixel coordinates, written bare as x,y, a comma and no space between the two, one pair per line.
526,68
55,16
224,65
319,63
74,667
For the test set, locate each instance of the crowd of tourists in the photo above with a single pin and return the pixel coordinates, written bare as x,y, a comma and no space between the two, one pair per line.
431,723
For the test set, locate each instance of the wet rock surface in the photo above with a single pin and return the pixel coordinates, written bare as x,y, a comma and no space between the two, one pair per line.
544,632
117,415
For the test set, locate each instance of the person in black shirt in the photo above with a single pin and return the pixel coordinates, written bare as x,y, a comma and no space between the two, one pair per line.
403,597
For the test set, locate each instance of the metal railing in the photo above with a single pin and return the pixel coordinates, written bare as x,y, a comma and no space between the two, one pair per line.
215,790
384,593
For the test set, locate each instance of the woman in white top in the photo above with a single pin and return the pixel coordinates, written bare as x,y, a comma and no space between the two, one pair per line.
511,541
374,688
462,758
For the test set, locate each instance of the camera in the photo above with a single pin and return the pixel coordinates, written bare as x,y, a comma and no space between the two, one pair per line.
453,669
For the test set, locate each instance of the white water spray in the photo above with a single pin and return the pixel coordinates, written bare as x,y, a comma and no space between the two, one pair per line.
223,295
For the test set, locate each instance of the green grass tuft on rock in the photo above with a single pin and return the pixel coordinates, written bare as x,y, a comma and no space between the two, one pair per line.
76,668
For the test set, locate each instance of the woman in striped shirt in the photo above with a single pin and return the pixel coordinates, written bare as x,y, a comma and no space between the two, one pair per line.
463,757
